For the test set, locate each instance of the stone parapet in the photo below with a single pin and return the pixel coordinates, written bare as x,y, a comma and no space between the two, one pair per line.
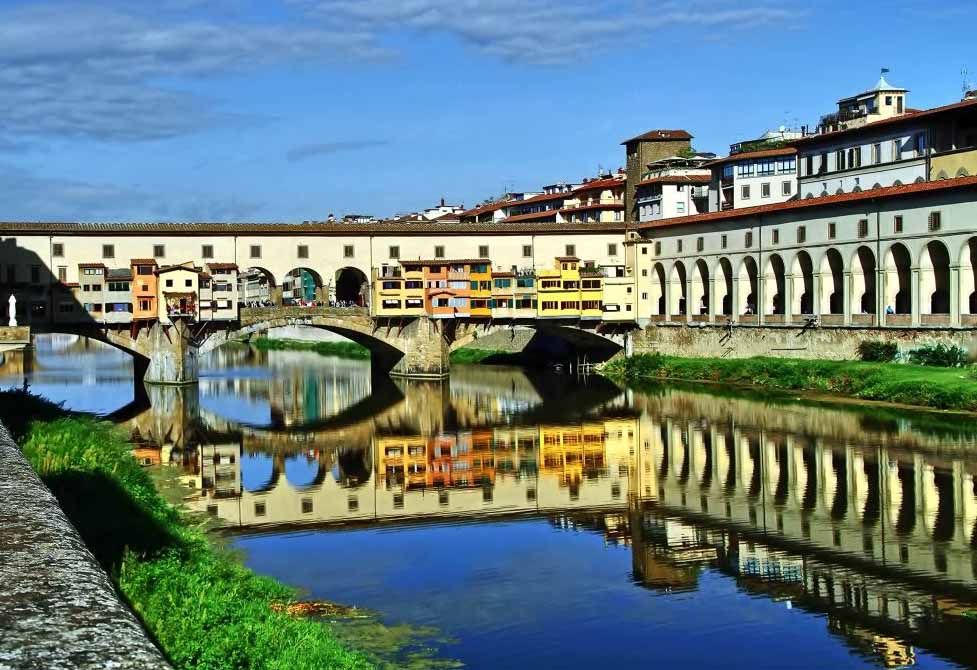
58,609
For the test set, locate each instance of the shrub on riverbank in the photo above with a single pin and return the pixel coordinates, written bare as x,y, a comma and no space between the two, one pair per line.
341,349
204,608
906,384
487,356
877,351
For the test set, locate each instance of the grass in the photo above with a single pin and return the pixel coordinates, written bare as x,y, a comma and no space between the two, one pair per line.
486,356
938,388
341,349
205,610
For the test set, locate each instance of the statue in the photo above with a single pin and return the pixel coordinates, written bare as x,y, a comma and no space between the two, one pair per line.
12,312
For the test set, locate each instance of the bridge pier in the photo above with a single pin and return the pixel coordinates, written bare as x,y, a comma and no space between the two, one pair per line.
171,356
426,351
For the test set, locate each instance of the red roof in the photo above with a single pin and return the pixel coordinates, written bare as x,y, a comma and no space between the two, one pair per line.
143,261
885,192
895,120
678,179
488,207
542,197
222,266
609,182
91,265
762,153
531,216
660,136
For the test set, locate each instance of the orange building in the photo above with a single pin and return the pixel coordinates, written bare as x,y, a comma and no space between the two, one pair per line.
447,287
144,289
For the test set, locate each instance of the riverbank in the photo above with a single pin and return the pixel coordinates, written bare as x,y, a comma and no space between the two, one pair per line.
920,386
199,604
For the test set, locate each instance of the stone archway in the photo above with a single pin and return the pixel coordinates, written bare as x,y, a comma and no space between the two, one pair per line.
803,272
302,286
863,281
725,286
699,299
256,287
898,280
678,290
934,279
351,288
832,283
968,278
660,287
749,287
775,286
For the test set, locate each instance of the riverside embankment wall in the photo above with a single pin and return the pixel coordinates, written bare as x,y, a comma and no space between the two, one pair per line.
58,609
826,343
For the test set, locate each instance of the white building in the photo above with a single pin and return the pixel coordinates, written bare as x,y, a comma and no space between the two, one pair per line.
673,186
752,178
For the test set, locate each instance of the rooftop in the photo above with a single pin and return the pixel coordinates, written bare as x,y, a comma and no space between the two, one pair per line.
791,205
660,136
748,155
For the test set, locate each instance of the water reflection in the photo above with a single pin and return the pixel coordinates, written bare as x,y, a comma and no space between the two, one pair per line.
707,515
866,520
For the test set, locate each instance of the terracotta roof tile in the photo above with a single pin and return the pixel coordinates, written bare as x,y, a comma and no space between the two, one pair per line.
596,205
531,216
677,179
790,205
222,266
445,261
143,261
599,184
324,228
747,155
660,136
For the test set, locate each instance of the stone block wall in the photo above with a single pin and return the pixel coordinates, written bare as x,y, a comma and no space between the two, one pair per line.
713,341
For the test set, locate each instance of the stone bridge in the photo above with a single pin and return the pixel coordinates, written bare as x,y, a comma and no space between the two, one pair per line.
416,347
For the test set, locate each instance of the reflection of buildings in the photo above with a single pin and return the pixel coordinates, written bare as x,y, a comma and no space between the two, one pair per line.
789,503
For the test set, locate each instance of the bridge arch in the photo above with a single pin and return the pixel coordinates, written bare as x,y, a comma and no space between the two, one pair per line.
257,286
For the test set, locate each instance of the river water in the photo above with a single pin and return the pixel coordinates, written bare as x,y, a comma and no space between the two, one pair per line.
506,519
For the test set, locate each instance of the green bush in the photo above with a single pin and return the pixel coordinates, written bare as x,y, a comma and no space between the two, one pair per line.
939,355
877,351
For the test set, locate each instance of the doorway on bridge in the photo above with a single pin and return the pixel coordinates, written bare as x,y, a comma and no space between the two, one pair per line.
352,288
302,287
257,288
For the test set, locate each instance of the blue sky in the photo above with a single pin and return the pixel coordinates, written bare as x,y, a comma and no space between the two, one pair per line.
294,109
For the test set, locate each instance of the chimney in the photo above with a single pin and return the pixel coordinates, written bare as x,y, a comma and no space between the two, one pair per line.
442,201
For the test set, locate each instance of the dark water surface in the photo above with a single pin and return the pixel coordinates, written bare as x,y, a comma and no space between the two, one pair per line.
504,519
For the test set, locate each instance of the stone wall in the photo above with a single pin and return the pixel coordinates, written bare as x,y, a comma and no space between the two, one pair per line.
58,608
786,341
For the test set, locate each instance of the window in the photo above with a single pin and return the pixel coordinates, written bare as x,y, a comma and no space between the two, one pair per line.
439,251
57,250
612,250
876,153
571,250
775,236
108,251
919,144
809,164
748,239
840,159
801,234
897,224
159,251
765,168
255,251
680,207
765,190
745,192
787,165
678,246
700,243
169,283
188,283
62,274
723,242
744,170
207,251
483,251
823,162
863,227
934,221
855,157
527,251
786,188
896,150
302,251
393,252
832,230
658,248
348,251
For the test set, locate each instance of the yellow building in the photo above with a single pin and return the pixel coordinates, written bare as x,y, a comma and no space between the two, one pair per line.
481,288
558,289
618,294
591,293
402,462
